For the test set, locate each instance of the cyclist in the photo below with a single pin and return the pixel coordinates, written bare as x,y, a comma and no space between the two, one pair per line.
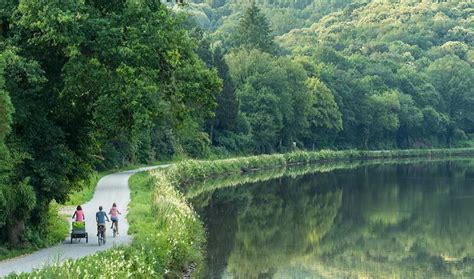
79,214
100,217
114,213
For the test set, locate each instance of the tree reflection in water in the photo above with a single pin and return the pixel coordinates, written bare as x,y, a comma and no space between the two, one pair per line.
385,220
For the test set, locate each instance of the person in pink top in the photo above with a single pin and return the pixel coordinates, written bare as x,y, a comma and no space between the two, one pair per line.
114,213
79,214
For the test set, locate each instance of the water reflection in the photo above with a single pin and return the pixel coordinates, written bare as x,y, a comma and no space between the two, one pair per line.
388,220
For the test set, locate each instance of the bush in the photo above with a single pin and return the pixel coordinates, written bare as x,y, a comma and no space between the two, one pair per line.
54,228
56,225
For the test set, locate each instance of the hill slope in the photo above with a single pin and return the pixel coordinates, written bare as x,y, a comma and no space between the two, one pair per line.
420,52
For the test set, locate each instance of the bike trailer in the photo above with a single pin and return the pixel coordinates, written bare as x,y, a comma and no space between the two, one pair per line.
79,231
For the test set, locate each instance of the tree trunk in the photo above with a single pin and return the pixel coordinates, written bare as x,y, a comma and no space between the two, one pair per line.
211,134
366,138
15,232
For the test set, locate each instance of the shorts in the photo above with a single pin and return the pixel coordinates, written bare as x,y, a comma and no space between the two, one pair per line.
114,219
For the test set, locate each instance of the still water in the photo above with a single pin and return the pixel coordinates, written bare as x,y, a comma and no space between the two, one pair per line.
373,221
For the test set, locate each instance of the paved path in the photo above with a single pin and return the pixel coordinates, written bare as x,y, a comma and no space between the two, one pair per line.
111,188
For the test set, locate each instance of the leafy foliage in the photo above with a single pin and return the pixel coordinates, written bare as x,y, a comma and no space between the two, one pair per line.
93,84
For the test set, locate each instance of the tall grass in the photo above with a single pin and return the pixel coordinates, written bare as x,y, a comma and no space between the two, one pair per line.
161,219
123,262
200,187
185,173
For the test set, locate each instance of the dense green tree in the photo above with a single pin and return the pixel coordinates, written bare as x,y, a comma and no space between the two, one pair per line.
5,160
411,122
410,81
435,124
94,84
273,96
254,31
17,198
324,115
384,108
454,79
5,105
97,84
261,109
227,104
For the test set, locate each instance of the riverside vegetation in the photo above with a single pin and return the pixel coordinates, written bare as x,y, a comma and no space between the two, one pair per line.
92,85
168,234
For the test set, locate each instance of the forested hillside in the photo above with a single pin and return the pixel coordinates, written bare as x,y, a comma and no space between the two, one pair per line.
402,73
221,16
369,75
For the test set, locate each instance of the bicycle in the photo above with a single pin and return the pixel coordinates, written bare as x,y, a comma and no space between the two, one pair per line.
101,234
114,228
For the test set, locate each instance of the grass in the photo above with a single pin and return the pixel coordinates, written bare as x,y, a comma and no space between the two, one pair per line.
6,253
87,191
88,188
192,170
123,262
120,262
56,226
161,219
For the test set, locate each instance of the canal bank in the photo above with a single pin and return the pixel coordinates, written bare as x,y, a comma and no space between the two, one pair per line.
168,234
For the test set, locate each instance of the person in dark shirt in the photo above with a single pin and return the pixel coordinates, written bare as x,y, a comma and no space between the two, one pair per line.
100,217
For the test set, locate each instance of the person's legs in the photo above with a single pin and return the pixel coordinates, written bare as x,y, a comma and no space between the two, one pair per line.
115,222
101,230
